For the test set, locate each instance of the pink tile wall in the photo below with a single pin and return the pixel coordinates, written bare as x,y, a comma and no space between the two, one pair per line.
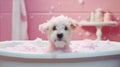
41,10
71,5
5,19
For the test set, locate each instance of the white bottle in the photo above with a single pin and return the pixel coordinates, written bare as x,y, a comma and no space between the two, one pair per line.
98,15
107,17
92,17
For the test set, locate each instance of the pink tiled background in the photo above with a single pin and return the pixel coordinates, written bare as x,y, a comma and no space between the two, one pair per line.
38,11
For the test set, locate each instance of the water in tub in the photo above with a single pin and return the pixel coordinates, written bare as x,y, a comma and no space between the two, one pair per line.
39,46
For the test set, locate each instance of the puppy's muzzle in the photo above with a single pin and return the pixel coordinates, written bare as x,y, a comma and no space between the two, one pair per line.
60,36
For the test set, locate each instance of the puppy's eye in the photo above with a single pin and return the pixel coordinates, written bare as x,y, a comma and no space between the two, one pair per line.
66,28
54,28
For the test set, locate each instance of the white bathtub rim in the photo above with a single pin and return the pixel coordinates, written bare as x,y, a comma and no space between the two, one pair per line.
57,55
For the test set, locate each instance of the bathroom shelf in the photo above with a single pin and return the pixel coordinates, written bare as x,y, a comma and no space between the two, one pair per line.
98,26
85,23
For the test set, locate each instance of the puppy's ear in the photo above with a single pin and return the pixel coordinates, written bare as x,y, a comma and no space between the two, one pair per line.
43,27
73,23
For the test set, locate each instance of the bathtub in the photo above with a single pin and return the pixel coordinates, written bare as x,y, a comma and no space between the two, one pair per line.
92,59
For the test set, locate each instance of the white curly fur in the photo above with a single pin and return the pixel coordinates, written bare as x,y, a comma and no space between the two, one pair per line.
63,25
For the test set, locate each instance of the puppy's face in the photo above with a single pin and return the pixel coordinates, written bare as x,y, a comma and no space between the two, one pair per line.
59,30
59,33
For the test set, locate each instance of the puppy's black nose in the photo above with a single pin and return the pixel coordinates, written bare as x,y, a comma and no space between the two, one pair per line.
60,35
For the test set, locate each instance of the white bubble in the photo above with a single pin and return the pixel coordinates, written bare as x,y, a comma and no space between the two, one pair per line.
81,1
59,3
31,17
118,18
87,34
52,7
79,34
79,17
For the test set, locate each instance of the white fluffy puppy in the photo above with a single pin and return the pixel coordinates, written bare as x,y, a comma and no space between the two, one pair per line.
59,30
